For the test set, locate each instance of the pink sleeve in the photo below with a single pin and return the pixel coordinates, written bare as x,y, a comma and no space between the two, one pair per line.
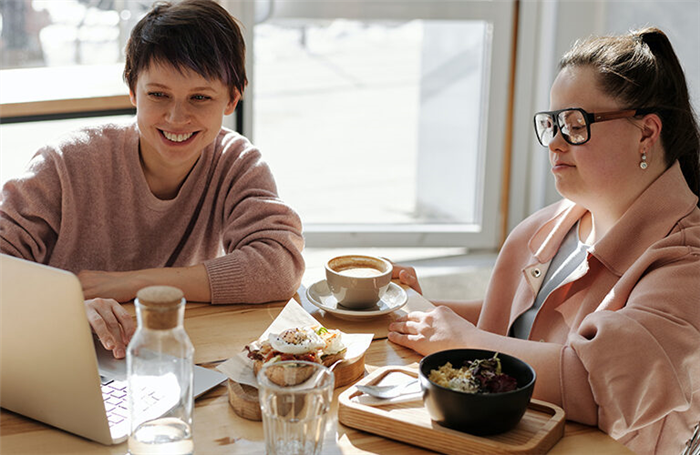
642,360
30,205
262,238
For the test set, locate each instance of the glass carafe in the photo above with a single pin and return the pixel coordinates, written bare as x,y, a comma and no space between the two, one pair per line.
160,375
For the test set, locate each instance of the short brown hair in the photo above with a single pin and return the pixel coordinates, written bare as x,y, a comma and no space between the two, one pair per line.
641,70
192,34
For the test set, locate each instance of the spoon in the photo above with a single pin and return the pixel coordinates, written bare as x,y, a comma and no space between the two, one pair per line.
385,391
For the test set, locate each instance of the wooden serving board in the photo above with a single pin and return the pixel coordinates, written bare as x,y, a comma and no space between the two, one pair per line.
540,428
244,398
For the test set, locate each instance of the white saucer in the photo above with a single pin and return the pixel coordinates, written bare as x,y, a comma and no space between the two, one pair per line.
320,295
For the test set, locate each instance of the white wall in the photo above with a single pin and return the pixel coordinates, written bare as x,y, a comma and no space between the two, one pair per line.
547,29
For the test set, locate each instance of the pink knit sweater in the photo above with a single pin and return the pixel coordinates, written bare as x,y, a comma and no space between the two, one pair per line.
84,204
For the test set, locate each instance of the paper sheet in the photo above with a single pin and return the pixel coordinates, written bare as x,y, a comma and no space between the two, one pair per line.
240,368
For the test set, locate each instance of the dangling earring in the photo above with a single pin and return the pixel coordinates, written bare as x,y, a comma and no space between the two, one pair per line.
643,163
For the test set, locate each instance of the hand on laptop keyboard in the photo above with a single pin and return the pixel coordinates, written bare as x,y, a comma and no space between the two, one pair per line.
111,323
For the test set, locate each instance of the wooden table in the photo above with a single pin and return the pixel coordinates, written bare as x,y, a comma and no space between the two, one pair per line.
218,333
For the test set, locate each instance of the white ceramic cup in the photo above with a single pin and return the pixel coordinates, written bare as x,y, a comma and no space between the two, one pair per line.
358,281
294,416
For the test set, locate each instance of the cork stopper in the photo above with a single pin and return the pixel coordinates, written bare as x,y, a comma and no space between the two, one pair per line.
159,306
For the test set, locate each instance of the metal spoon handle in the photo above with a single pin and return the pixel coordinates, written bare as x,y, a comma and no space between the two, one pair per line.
387,391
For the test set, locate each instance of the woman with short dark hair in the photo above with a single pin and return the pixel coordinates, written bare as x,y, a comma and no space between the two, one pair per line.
171,198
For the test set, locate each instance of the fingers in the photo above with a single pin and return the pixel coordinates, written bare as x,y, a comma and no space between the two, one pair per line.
110,332
126,322
395,272
404,327
112,324
408,330
408,341
415,316
407,276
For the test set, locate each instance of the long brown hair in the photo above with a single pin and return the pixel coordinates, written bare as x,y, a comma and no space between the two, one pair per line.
641,70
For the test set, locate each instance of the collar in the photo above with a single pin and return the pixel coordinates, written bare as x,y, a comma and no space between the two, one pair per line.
650,218
545,243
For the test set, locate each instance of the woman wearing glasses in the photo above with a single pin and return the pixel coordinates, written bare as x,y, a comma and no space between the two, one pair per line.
600,292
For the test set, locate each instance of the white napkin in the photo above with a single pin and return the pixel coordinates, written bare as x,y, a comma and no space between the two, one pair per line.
240,368
412,392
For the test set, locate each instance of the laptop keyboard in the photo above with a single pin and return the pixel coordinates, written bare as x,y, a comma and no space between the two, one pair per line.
115,398
152,405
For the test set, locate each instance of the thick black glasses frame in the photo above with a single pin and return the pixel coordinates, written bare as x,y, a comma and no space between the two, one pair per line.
590,118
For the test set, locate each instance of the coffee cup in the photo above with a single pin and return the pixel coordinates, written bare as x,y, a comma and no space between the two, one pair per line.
357,281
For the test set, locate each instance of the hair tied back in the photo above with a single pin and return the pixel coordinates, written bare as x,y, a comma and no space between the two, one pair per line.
654,38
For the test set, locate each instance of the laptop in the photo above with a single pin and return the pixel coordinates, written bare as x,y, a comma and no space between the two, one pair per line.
52,368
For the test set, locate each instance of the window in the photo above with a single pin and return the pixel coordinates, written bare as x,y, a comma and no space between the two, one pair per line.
61,64
383,122
64,59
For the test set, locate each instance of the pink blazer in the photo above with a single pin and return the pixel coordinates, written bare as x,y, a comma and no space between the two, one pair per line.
619,346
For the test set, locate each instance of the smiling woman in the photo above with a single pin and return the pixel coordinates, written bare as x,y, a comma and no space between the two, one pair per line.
169,199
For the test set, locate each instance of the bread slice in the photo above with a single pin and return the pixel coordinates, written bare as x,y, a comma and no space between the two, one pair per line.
286,375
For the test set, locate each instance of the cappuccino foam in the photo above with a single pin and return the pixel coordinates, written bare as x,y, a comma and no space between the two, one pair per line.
361,272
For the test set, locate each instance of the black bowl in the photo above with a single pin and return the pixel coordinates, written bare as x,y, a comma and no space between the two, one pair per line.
478,414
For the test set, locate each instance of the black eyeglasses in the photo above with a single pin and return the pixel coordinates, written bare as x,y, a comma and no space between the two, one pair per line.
574,123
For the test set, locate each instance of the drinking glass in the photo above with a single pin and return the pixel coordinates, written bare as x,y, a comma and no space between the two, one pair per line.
295,397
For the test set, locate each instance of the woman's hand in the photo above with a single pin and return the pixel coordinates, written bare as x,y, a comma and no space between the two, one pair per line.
111,323
407,276
436,330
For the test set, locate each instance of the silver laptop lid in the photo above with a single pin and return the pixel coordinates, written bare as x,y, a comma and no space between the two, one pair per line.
48,367
50,363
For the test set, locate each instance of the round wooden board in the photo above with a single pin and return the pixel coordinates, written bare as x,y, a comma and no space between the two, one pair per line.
244,398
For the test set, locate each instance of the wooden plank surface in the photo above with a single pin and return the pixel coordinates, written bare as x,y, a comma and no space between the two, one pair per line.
217,332
379,326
